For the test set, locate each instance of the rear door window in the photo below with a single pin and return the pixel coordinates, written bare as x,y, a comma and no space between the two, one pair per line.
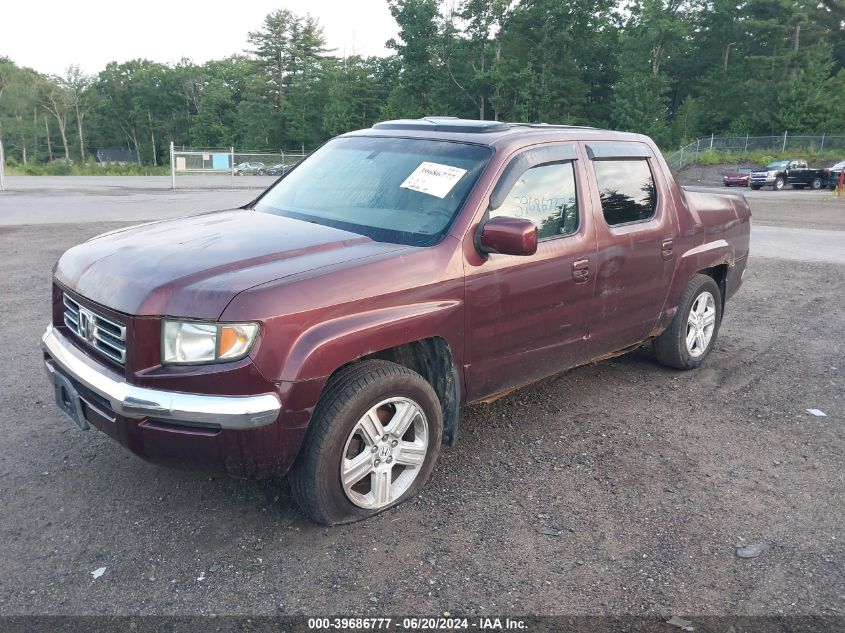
627,190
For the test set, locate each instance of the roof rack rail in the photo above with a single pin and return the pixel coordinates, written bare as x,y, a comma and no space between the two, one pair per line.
444,124
552,125
471,126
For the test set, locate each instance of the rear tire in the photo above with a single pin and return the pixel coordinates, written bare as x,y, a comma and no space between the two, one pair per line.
816,184
690,337
346,471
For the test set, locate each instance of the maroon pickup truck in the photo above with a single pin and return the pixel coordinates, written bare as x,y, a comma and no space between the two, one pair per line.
335,325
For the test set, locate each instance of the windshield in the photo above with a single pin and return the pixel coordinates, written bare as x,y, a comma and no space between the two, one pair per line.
399,190
777,164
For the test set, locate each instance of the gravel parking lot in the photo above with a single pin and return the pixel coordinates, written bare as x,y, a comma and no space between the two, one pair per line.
617,488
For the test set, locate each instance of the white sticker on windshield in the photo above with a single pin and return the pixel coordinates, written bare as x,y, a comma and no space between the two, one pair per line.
434,179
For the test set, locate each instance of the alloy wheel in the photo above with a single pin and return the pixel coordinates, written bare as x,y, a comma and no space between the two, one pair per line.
701,323
384,453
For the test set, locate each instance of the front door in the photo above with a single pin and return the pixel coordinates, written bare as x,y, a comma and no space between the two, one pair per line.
527,317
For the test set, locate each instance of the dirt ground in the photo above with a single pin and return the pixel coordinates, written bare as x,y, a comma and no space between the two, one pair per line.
708,175
618,488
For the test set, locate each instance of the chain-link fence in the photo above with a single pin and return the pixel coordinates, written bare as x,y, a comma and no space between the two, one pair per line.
744,145
227,167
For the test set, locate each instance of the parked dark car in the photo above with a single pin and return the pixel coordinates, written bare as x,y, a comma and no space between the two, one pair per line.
279,169
788,172
834,173
254,168
335,325
737,178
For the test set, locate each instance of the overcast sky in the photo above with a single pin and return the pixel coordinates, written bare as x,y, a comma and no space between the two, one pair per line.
48,35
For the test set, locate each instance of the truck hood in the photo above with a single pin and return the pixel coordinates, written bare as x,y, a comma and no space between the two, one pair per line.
194,266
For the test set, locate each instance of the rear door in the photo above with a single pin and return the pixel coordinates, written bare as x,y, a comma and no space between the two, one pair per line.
636,228
797,173
527,317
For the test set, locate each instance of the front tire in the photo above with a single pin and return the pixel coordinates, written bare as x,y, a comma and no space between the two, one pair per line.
779,184
372,444
691,335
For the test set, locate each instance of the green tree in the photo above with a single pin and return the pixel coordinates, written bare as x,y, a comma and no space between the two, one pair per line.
20,112
139,105
548,61
355,95
290,51
674,69
483,18
419,37
81,98
271,47
806,102
655,31
307,92
57,100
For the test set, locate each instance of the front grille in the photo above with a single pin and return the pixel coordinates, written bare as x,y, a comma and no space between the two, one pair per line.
106,336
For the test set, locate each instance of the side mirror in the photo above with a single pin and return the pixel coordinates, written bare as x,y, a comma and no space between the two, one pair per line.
508,236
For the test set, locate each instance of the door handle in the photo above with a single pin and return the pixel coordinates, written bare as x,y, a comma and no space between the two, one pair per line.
580,270
666,249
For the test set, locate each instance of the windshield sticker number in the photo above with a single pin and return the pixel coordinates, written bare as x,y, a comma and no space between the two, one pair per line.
434,179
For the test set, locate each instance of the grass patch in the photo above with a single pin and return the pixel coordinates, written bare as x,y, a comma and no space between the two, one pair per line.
764,157
63,168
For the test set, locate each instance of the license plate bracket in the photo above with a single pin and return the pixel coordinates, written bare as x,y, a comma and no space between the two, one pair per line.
68,400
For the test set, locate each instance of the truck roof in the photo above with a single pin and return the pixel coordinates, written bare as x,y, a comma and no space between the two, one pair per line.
493,133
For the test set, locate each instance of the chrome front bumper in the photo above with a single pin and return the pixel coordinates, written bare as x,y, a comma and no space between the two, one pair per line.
130,401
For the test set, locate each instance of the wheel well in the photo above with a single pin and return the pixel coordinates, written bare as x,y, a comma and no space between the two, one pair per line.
720,276
432,359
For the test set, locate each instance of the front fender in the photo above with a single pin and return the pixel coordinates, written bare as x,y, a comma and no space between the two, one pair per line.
321,349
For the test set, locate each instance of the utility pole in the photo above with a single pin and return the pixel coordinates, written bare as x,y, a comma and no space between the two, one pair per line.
2,165
172,168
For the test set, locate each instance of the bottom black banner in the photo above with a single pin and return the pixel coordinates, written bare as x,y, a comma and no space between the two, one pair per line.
446,622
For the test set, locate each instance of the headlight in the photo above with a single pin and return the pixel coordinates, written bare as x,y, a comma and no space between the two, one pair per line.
195,342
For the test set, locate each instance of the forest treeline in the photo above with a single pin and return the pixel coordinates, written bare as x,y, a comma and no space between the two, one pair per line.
673,69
